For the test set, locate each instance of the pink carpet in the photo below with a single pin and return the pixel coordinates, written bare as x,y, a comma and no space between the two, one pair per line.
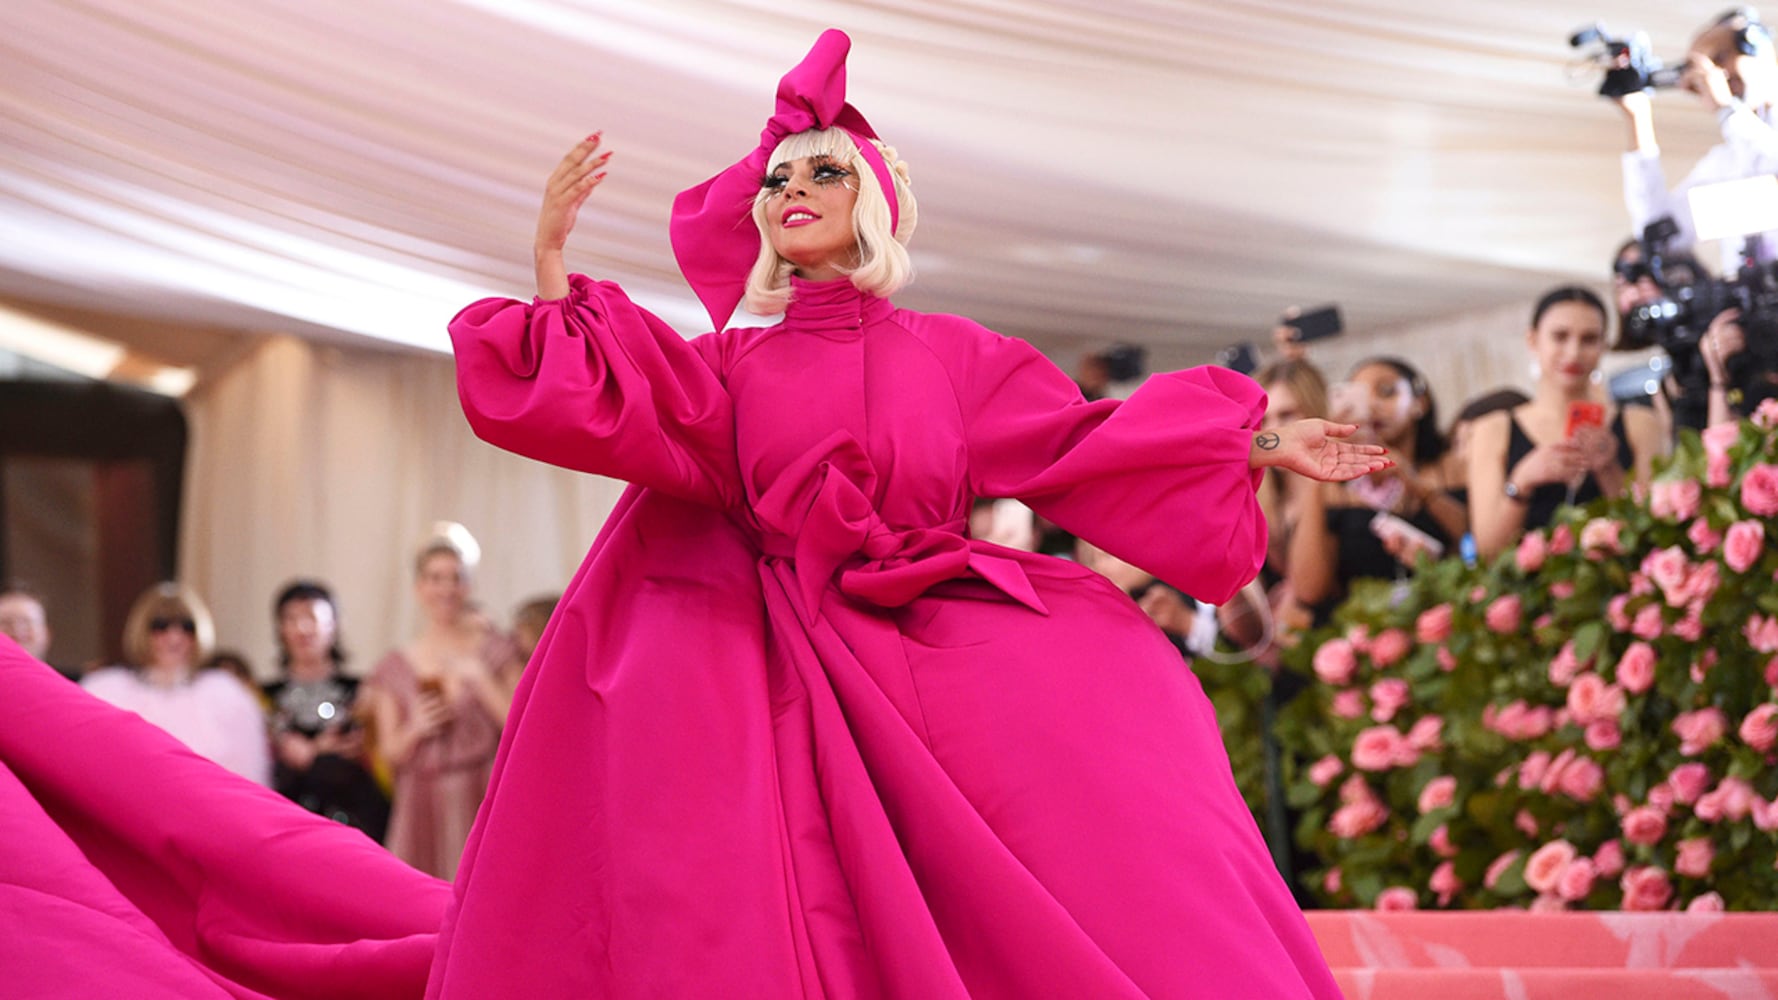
1500,955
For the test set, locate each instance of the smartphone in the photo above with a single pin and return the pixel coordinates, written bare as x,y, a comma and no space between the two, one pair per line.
1240,357
1386,525
1584,413
1315,324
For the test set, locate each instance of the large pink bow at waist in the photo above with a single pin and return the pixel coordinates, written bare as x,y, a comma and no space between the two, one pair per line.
819,513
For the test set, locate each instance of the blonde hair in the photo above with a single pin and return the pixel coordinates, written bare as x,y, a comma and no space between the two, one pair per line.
166,600
883,263
1303,378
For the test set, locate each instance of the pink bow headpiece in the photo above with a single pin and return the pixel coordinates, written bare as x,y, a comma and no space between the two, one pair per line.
713,233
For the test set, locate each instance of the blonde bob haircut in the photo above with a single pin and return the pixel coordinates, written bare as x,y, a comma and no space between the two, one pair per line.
172,601
883,263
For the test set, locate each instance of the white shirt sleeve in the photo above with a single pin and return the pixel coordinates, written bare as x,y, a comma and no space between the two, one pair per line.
1749,149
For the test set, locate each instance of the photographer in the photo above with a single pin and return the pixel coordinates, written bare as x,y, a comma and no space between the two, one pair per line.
1733,69
1667,300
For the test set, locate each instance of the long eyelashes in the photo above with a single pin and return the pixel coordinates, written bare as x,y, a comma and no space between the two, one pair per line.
824,173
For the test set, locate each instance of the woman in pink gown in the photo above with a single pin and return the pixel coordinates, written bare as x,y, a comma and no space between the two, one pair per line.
793,734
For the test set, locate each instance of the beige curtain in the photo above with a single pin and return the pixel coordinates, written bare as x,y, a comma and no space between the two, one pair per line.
333,463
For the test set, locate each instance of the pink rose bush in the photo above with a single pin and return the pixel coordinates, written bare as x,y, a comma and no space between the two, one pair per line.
1589,721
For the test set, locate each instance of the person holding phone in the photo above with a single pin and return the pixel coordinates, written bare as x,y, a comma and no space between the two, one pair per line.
1377,526
1563,447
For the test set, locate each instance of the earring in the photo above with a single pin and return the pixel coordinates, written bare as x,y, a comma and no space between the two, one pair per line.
1597,377
1536,371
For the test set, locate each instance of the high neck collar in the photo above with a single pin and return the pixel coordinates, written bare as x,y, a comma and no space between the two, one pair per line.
835,309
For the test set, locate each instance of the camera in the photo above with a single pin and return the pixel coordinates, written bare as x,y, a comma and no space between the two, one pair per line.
1690,298
1630,67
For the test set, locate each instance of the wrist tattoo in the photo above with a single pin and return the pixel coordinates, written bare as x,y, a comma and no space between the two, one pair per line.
1267,441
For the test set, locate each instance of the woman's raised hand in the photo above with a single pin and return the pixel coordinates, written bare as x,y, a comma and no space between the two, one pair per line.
569,185
1319,450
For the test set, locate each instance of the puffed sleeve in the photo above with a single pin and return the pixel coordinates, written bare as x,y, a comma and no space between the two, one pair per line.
1160,480
595,383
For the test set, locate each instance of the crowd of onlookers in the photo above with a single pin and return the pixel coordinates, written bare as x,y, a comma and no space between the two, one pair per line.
402,752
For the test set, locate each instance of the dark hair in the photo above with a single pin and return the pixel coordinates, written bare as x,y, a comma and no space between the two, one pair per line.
1568,293
1429,441
15,588
305,590
1481,406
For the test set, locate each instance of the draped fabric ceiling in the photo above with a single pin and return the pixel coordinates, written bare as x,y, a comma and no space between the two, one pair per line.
175,173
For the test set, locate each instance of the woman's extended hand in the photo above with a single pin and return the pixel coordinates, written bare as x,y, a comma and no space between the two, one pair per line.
569,185
1317,449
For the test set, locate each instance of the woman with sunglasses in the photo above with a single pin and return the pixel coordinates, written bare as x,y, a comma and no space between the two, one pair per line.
167,634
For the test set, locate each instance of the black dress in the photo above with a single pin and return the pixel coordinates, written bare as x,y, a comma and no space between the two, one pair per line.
1542,503
333,786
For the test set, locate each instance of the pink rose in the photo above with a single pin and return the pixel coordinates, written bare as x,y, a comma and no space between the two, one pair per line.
1396,899
1325,770
1765,815
1517,721
1743,545
1533,550
1691,629
1355,819
1332,882
1335,662
1576,880
1641,585
1360,638
1700,585
1699,730
1347,703
1767,414
1591,699
1636,668
1710,902
1377,748
1737,797
1439,793
1426,732
1387,697
1388,648
1600,535
1565,666
1661,797
1759,729
1447,661
1646,888
1562,590
1688,782
1762,635
1667,567
1759,490
1498,869
1694,857
1617,613
1561,540
1533,769
1547,863
1772,673
1441,845
1526,822
1445,883
1603,734
1609,858
1677,500
1704,538
1645,825
1582,779
1434,624
1647,624
1504,614
1547,902
1719,438
1717,471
